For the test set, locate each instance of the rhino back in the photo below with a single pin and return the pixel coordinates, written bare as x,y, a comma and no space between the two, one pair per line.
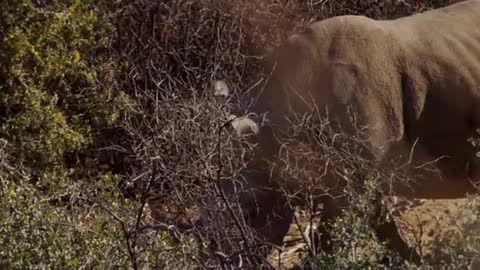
414,77
441,81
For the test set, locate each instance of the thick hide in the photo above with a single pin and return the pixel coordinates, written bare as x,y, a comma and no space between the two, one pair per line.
414,82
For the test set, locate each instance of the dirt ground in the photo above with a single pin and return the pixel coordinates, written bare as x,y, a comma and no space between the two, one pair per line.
421,223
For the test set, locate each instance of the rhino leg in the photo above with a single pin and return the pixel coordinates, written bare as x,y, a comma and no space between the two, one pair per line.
271,218
388,231
331,210
385,231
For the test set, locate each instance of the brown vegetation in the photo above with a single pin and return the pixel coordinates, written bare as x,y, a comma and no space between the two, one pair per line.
112,121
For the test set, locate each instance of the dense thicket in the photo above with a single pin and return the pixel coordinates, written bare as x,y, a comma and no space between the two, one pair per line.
107,105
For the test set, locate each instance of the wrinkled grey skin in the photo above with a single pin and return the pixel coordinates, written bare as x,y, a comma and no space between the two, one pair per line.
414,81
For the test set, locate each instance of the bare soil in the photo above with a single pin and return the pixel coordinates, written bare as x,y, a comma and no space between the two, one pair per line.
421,223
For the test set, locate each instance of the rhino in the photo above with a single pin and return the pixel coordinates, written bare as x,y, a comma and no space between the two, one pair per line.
414,83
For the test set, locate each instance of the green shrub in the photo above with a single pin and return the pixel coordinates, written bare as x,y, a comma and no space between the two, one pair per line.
55,82
56,97
37,235
355,244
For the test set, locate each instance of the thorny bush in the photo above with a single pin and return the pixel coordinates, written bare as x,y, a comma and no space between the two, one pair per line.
107,108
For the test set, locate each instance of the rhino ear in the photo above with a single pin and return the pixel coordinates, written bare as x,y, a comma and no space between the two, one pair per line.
244,126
